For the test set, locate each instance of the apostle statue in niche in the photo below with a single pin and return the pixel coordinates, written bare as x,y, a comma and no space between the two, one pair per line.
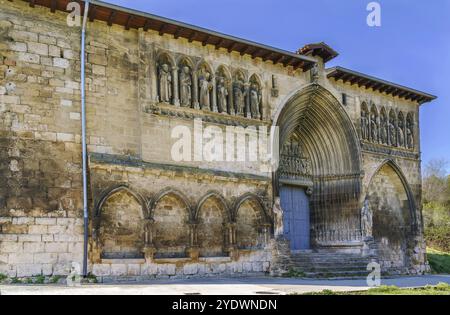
367,220
392,132
409,135
240,94
364,125
401,134
373,127
165,83
384,130
185,87
205,87
255,101
222,95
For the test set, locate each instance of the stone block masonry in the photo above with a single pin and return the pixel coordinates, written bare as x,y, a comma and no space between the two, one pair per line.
32,246
151,217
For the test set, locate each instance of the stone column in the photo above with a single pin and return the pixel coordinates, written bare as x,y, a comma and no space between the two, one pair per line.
193,250
195,90
176,97
214,95
231,110
153,73
247,100
149,249
266,234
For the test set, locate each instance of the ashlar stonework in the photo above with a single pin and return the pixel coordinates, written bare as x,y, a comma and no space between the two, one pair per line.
348,186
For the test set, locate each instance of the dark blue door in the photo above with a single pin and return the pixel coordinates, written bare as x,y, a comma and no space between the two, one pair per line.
295,204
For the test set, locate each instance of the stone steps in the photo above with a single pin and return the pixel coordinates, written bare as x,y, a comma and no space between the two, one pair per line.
330,265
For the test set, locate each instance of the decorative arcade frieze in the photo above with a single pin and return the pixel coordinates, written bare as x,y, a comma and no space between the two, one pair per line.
387,127
183,83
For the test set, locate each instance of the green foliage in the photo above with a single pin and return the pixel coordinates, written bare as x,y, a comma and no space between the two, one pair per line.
439,261
3,277
16,281
293,273
440,289
40,280
436,209
55,279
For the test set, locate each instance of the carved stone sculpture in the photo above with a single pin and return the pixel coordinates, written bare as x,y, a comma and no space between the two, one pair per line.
384,130
239,95
400,136
315,73
366,220
255,101
222,95
278,218
364,125
185,87
410,135
392,133
205,87
165,83
373,128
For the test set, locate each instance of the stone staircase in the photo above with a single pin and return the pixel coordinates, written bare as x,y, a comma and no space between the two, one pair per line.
329,265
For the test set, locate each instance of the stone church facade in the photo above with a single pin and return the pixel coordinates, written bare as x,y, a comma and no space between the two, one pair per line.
348,187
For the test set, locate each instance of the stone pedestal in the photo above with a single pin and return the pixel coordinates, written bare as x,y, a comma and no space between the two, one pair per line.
281,254
369,247
193,252
149,254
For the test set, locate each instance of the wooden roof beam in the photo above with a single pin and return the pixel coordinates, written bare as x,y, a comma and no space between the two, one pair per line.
177,33
192,36
267,56
92,13
205,42
232,47
111,17
220,43
278,60
128,23
53,6
161,30
147,25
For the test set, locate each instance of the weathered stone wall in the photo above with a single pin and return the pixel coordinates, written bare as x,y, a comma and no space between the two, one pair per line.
40,172
129,141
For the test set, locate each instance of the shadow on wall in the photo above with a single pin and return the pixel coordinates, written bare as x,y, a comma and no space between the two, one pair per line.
213,228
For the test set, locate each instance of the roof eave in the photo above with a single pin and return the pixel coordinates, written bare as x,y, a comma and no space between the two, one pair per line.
380,85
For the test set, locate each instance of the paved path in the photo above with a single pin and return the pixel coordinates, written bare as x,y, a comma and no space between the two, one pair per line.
248,286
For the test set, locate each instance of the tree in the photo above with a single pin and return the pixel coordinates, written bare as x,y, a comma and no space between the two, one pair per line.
435,182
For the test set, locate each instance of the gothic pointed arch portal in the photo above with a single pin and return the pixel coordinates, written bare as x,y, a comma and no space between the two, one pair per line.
319,178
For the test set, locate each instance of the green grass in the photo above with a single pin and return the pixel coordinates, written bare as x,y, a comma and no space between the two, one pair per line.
439,261
440,289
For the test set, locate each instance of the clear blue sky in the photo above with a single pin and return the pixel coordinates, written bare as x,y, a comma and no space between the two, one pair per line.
412,47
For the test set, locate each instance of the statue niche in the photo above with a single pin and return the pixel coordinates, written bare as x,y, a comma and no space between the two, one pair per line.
384,127
401,130
185,86
364,122
223,91
205,85
374,124
165,82
410,131
392,129
255,99
240,93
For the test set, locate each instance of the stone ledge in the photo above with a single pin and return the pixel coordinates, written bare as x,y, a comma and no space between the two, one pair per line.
127,161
